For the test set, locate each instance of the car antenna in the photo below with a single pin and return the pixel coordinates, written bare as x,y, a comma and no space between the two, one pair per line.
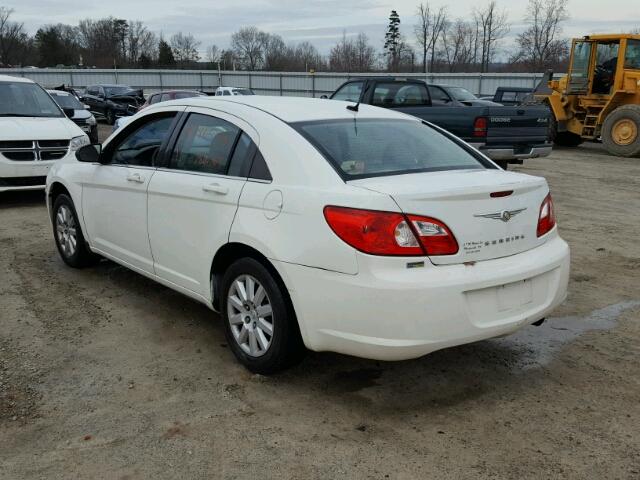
356,107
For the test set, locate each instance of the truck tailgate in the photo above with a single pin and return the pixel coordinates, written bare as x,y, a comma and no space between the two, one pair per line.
518,124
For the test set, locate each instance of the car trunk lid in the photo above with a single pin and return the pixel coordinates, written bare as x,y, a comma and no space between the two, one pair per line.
485,226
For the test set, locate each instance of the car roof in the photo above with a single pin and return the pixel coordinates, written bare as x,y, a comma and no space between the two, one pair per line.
8,78
293,109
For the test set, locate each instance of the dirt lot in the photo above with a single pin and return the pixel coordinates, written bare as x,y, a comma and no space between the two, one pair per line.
104,374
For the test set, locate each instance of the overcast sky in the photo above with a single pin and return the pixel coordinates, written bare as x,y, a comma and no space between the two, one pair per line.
318,21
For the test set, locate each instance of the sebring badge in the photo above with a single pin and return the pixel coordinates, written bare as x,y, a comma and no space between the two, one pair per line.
504,215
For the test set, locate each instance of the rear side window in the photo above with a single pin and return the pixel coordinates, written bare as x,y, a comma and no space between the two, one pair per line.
438,94
376,147
165,97
154,99
349,92
397,94
204,145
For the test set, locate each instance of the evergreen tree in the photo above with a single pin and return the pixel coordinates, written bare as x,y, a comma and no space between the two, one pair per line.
165,54
392,40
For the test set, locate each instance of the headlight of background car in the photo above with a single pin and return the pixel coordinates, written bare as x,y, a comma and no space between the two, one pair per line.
78,142
91,121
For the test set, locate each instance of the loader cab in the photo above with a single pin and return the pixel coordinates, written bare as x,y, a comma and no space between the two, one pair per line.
597,65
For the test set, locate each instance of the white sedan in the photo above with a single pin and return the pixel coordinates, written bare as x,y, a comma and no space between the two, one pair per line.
309,224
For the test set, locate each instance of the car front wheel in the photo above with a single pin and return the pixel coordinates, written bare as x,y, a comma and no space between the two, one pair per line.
259,322
68,234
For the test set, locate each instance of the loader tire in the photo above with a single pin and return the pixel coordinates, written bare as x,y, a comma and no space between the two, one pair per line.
621,131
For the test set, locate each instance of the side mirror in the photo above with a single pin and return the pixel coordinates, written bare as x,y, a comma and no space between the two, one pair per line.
89,153
324,97
69,112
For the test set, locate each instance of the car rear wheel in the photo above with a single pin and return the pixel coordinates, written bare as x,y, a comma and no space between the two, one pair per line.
259,322
68,234
621,131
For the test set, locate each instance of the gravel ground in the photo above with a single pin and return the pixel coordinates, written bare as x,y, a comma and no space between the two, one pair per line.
105,374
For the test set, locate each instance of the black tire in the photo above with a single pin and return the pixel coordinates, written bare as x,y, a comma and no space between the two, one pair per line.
626,113
286,347
563,139
93,135
80,256
110,117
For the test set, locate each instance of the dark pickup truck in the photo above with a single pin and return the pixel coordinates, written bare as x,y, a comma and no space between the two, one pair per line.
504,134
112,101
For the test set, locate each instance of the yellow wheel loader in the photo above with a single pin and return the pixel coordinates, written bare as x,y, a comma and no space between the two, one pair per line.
600,97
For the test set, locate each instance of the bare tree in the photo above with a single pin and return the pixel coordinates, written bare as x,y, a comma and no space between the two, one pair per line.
354,55
13,38
213,55
248,46
306,57
185,48
539,46
428,31
493,26
458,45
276,54
140,43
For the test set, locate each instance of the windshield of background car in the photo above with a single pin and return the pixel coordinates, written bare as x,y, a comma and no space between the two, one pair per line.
376,147
243,91
462,94
19,99
67,101
113,91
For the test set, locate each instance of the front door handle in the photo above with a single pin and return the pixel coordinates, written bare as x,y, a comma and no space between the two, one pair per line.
135,177
216,188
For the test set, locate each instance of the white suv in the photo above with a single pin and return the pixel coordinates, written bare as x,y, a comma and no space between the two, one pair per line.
232,91
34,134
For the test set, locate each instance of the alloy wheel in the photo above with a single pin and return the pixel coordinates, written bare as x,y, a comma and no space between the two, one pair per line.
66,231
250,315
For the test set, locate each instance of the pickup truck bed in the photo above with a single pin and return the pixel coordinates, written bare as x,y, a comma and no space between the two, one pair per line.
504,134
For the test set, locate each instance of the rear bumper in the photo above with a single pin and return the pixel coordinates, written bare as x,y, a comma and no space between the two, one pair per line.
389,312
511,153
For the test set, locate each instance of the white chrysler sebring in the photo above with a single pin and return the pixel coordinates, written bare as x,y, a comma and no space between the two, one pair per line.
317,224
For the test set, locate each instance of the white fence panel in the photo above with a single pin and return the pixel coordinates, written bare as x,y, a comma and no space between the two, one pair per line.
264,83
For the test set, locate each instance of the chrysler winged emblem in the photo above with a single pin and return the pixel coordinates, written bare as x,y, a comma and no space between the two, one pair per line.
504,215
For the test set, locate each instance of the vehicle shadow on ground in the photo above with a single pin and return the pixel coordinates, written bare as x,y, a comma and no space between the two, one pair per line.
443,378
21,199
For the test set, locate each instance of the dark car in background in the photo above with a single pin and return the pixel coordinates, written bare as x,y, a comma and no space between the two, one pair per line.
510,96
170,95
109,102
453,96
504,134
81,116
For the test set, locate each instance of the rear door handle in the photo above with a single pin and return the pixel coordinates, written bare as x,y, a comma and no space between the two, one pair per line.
135,177
216,188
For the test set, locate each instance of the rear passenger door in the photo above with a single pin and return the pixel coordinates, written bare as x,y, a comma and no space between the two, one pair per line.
193,198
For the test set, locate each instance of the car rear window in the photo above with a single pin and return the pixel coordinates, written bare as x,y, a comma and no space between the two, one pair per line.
376,147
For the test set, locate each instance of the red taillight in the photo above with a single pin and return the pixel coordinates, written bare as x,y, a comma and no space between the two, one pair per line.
480,127
547,218
389,233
